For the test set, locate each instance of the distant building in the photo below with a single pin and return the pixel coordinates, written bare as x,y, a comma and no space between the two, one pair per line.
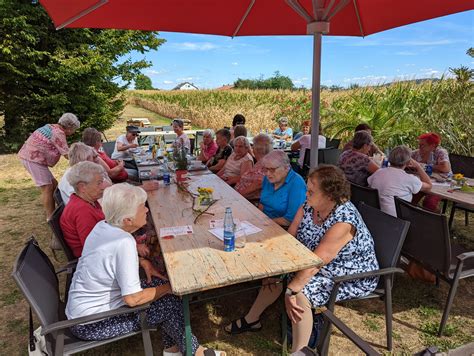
226,87
185,86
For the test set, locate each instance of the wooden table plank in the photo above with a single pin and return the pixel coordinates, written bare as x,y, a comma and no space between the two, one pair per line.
198,262
457,196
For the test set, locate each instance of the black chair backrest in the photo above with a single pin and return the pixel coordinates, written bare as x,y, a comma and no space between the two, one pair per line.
57,197
108,147
388,233
367,195
199,138
428,237
330,156
462,164
53,222
34,274
333,143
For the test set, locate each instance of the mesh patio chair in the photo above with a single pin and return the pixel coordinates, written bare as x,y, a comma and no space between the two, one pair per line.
57,197
464,165
108,147
333,143
53,222
36,278
448,261
389,235
367,195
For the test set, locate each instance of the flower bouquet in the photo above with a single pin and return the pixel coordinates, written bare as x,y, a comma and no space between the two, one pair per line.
181,163
205,196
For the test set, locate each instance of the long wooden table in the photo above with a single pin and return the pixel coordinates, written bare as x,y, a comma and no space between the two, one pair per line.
196,263
458,196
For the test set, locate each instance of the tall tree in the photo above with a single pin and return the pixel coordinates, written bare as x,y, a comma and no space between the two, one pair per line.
143,82
44,72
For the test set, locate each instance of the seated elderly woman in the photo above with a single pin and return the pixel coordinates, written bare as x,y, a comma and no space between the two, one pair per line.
355,162
107,278
304,141
182,140
239,130
216,163
393,181
330,225
114,168
283,132
429,149
79,152
208,146
283,190
239,162
124,148
42,150
83,211
250,184
373,149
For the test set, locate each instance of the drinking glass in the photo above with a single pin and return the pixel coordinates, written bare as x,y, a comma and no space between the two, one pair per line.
240,235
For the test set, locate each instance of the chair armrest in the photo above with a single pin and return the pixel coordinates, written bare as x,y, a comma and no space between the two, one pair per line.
465,255
64,324
379,272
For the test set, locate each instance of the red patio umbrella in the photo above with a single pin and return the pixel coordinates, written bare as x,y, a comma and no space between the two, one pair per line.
255,18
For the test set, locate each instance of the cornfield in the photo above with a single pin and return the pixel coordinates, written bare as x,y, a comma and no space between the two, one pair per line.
398,113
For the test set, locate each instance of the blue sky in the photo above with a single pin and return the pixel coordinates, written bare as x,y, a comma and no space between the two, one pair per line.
422,50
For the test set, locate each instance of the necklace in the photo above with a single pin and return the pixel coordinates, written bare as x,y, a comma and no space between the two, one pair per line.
320,220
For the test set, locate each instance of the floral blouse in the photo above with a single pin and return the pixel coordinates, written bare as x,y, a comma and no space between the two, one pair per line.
250,177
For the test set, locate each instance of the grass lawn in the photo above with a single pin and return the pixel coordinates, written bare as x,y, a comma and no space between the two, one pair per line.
417,306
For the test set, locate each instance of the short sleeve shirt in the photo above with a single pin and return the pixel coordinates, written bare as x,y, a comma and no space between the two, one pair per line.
440,155
125,155
45,146
232,166
122,176
285,201
288,131
211,149
221,154
355,166
305,142
107,271
182,141
65,188
255,175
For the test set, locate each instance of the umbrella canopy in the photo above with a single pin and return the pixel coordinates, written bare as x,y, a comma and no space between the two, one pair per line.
255,18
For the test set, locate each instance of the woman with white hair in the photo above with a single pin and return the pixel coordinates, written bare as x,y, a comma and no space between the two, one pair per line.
283,190
393,181
208,146
250,184
239,162
42,150
283,132
107,278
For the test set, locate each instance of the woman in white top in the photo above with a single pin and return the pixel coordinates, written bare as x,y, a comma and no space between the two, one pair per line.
182,140
125,144
238,163
107,278
304,142
393,181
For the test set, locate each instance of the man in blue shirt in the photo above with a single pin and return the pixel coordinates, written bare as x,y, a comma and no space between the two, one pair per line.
283,190
283,132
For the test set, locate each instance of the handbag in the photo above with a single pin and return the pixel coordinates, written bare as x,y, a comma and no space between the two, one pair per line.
37,342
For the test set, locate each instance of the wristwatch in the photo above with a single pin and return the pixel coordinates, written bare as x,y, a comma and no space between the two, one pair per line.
290,292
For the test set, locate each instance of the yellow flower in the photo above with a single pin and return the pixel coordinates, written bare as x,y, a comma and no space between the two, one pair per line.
458,176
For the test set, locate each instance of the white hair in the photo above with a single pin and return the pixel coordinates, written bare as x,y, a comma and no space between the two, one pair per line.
244,140
208,132
277,158
69,121
283,120
121,201
80,152
84,172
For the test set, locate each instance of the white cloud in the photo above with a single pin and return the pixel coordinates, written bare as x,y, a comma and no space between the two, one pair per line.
153,72
411,43
368,79
167,82
235,63
405,53
300,81
193,46
187,79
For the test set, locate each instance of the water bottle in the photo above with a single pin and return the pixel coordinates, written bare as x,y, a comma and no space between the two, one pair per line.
429,165
166,173
229,234
385,162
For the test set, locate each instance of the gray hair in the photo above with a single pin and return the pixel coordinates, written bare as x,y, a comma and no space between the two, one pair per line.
399,156
208,132
80,152
69,121
121,201
91,137
244,140
262,143
178,122
277,158
283,120
362,138
84,172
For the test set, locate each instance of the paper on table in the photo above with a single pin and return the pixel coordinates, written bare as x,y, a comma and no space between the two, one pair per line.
176,230
219,223
245,227
441,184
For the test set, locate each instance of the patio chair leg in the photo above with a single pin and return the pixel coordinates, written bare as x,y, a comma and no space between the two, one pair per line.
146,334
324,338
449,302
466,218
187,325
388,311
284,322
451,216
445,205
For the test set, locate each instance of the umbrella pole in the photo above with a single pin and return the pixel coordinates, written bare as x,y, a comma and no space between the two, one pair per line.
315,97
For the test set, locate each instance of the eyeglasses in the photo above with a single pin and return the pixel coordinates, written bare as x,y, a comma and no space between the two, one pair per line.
270,169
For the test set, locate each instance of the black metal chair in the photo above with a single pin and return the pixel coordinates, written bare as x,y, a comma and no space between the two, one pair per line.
464,165
36,278
367,195
429,244
108,147
57,196
325,156
389,235
333,143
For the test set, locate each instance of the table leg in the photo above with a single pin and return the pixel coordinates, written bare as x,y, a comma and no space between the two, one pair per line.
284,325
187,325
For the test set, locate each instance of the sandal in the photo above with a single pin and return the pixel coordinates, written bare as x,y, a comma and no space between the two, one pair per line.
244,326
212,352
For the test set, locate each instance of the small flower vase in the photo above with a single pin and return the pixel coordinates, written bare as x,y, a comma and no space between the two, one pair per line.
181,175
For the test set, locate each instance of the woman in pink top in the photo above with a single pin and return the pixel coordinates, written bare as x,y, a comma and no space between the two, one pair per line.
42,150
239,162
208,146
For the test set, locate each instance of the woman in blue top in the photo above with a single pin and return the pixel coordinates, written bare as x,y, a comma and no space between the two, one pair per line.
283,132
283,190
330,225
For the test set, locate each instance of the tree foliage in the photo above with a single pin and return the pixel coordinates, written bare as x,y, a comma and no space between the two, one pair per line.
278,81
44,72
143,82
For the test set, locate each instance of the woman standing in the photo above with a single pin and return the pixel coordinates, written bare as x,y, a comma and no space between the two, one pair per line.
42,150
